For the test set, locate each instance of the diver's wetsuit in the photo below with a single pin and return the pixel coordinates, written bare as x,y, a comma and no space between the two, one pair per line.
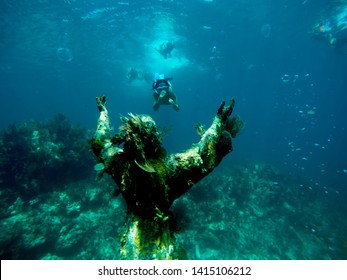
163,94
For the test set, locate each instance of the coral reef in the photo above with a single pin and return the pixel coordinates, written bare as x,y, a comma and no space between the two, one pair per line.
68,223
150,180
256,212
35,155
244,212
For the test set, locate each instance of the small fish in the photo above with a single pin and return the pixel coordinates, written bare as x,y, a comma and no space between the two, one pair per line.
285,78
99,167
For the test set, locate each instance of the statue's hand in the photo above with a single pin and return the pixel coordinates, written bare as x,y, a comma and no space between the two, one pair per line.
101,102
225,111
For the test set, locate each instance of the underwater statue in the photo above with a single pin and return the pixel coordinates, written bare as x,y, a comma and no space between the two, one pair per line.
150,180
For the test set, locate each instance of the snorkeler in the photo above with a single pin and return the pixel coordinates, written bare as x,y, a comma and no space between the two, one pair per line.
166,48
333,30
163,93
133,74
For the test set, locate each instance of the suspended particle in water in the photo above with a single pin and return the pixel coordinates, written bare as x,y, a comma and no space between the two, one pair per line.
266,30
64,54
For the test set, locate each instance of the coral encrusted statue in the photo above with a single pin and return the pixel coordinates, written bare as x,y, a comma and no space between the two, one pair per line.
150,180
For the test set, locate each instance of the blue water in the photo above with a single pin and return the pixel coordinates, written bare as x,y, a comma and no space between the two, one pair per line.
58,55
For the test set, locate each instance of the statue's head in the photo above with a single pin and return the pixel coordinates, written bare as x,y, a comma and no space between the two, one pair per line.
141,134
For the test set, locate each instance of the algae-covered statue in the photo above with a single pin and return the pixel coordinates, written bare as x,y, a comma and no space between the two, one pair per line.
150,180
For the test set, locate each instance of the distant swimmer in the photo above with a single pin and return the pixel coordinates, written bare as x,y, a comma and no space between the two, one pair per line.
333,29
163,93
134,74
166,48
